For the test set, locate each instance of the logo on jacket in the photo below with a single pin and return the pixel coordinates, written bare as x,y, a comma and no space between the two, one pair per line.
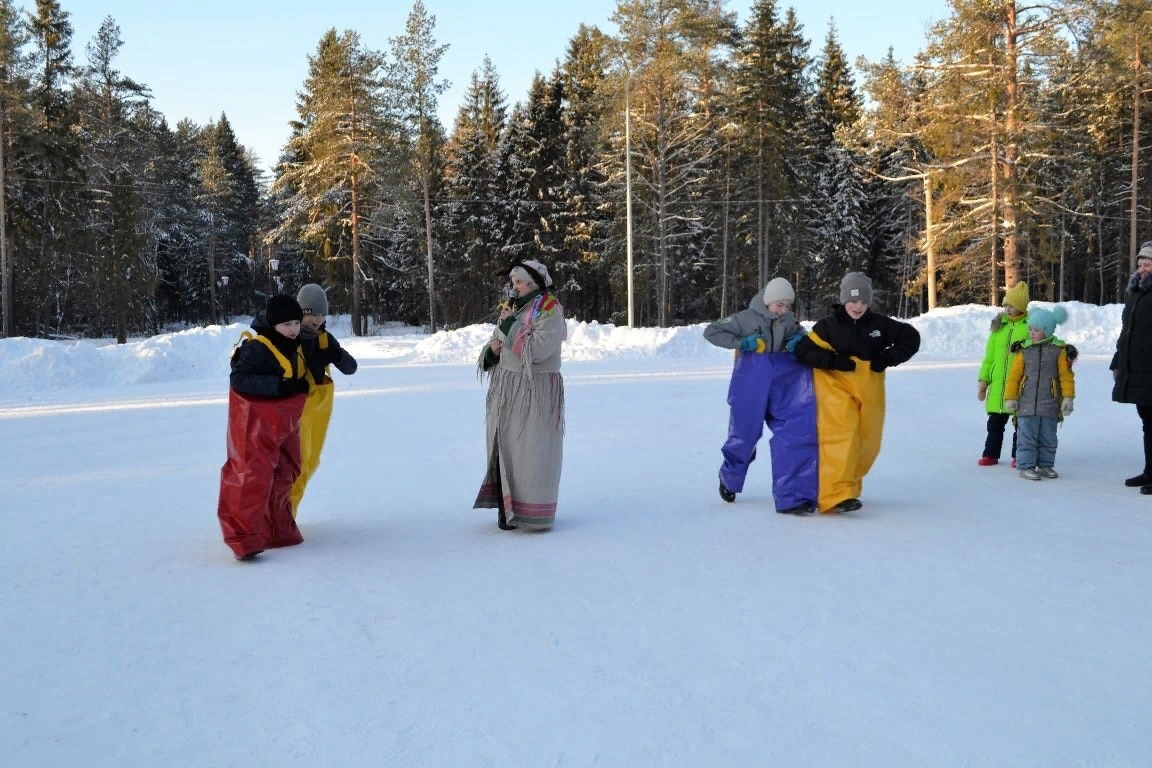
875,333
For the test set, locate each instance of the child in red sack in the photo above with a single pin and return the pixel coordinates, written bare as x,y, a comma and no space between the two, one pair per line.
266,397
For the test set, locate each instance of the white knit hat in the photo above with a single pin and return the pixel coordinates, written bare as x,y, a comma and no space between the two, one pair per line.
778,289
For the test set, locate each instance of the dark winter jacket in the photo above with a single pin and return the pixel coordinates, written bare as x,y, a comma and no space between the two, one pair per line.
878,339
756,320
321,350
256,370
1132,363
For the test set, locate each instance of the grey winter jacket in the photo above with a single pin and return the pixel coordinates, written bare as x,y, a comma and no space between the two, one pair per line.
1041,379
753,321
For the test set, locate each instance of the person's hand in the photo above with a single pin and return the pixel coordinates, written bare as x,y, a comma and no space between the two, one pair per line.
843,363
1066,406
1115,375
881,362
1010,406
496,345
752,343
289,387
981,391
791,342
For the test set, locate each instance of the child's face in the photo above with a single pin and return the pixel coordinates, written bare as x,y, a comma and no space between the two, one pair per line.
855,309
779,307
1036,334
1011,311
289,329
313,322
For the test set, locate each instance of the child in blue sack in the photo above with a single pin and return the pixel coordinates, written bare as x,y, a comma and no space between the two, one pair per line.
1039,390
769,386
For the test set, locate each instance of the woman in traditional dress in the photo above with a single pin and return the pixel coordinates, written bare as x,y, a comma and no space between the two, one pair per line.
524,411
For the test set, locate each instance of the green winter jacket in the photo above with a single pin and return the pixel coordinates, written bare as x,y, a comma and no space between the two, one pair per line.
1006,331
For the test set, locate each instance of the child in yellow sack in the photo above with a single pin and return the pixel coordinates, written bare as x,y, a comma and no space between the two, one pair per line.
321,350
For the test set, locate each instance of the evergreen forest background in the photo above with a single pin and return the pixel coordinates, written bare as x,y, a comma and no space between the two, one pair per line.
711,152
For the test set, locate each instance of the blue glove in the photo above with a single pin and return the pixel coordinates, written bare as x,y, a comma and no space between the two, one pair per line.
753,343
791,342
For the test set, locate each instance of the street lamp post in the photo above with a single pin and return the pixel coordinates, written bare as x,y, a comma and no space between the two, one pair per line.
274,265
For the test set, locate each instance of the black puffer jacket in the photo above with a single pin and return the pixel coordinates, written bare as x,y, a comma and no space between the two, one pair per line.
321,350
257,371
879,339
1132,362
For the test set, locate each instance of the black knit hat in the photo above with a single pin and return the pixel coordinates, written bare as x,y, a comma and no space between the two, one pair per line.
281,309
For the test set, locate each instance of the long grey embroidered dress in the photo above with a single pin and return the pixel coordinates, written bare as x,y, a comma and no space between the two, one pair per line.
524,416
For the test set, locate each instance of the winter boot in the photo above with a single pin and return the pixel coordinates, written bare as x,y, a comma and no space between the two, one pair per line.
803,509
987,461
1047,472
726,494
1030,473
1138,481
848,505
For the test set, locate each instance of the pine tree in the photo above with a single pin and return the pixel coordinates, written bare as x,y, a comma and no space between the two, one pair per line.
475,217
109,107
769,95
413,82
341,145
14,75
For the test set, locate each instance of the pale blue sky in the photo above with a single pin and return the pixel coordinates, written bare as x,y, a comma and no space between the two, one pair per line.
247,58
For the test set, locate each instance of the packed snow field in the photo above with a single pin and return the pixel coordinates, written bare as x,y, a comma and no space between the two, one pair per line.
963,617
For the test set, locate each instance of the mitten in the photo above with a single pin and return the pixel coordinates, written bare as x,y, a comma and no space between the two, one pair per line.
981,390
881,362
289,387
842,363
1010,406
1066,406
791,342
752,343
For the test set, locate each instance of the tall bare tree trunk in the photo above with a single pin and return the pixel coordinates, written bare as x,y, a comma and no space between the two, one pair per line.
7,305
1133,220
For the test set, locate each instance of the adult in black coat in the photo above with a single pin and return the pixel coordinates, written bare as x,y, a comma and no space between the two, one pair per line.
1132,364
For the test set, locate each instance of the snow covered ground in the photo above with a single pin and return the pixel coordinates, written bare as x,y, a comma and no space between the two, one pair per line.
963,617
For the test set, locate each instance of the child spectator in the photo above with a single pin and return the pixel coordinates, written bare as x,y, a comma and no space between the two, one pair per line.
1039,390
850,350
266,396
769,386
1009,328
320,351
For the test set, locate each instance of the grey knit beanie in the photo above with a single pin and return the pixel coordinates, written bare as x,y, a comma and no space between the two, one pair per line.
1145,251
856,286
778,289
313,300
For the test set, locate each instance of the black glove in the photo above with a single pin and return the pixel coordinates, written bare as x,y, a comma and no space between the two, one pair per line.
881,362
289,387
842,363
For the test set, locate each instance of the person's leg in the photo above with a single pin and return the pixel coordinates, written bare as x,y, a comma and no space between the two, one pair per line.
994,443
1027,428
792,421
1145,413
748,405
1046,442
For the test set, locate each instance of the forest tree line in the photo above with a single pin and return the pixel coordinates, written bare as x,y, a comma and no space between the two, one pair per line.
711,153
